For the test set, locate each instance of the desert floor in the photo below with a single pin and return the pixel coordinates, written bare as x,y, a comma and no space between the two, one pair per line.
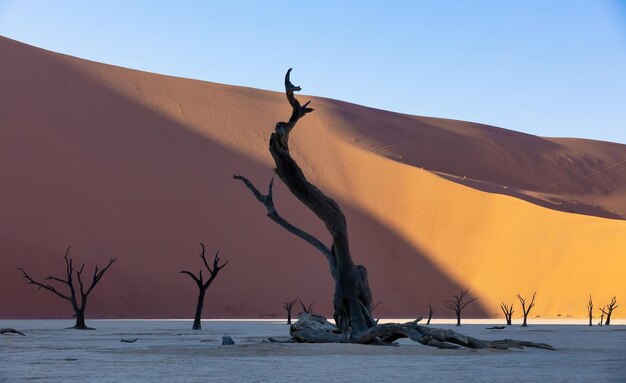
167,350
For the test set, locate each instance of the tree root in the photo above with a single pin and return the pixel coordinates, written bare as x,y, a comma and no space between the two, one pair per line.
311,328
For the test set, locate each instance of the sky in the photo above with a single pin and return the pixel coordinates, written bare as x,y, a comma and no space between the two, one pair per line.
551,68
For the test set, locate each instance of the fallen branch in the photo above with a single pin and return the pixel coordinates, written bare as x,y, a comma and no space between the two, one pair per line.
5,331
311,328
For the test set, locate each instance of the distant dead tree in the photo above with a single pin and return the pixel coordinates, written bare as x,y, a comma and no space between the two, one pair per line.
590,310
288,306
306,309
608,310
526,310
457,305
431,311
78,299
508,312
601,318
202,285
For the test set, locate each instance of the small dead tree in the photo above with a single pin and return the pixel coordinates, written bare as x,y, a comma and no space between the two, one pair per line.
508,312
431,312
77,297
590,310
601,318
526,310
202,285
288,306
457,305
608,310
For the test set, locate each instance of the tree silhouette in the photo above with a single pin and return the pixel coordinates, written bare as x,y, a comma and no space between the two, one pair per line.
608,310
77,297
457,305
508,312
526,310
288,305
204,285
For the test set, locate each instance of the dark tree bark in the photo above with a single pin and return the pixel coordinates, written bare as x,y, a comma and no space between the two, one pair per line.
288,306
457,305
590,310
526,310
608,310
431,311
202,285
508,312
77,297
352,297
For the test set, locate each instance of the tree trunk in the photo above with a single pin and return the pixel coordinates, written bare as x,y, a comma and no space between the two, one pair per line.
352,297
525,324
608,319
508,320
458,319
80,320
289,316
197,319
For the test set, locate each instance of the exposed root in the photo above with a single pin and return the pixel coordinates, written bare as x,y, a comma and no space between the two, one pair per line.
316,329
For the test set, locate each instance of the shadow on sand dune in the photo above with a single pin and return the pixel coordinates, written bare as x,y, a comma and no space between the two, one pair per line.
84,165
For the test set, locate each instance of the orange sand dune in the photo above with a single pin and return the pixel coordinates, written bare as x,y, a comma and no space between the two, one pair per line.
123,163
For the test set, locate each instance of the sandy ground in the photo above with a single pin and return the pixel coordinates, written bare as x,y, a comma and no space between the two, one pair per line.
170,351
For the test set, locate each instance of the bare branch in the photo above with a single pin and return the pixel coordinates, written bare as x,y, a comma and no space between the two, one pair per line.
268,202
198,281
97,275
50,288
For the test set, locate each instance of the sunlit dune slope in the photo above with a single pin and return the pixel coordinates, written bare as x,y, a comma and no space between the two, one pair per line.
116,162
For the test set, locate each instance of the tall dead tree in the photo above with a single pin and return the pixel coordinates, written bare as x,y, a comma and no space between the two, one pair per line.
608,310
526,310
352,298
77,297
288,306
457,305
508,312
204,285
431,311
590,310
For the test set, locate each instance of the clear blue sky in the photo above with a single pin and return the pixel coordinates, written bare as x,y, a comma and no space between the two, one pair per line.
551,68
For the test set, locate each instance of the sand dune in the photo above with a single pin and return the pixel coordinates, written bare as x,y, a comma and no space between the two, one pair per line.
123,163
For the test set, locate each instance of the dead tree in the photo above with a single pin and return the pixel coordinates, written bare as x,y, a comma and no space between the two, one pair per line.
608,310
601,318
508,312
457,305
590,310
202,285
526,310
352,299
77,297
288,306
431,311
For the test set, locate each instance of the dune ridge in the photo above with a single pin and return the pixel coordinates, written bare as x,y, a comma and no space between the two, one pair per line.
124,163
